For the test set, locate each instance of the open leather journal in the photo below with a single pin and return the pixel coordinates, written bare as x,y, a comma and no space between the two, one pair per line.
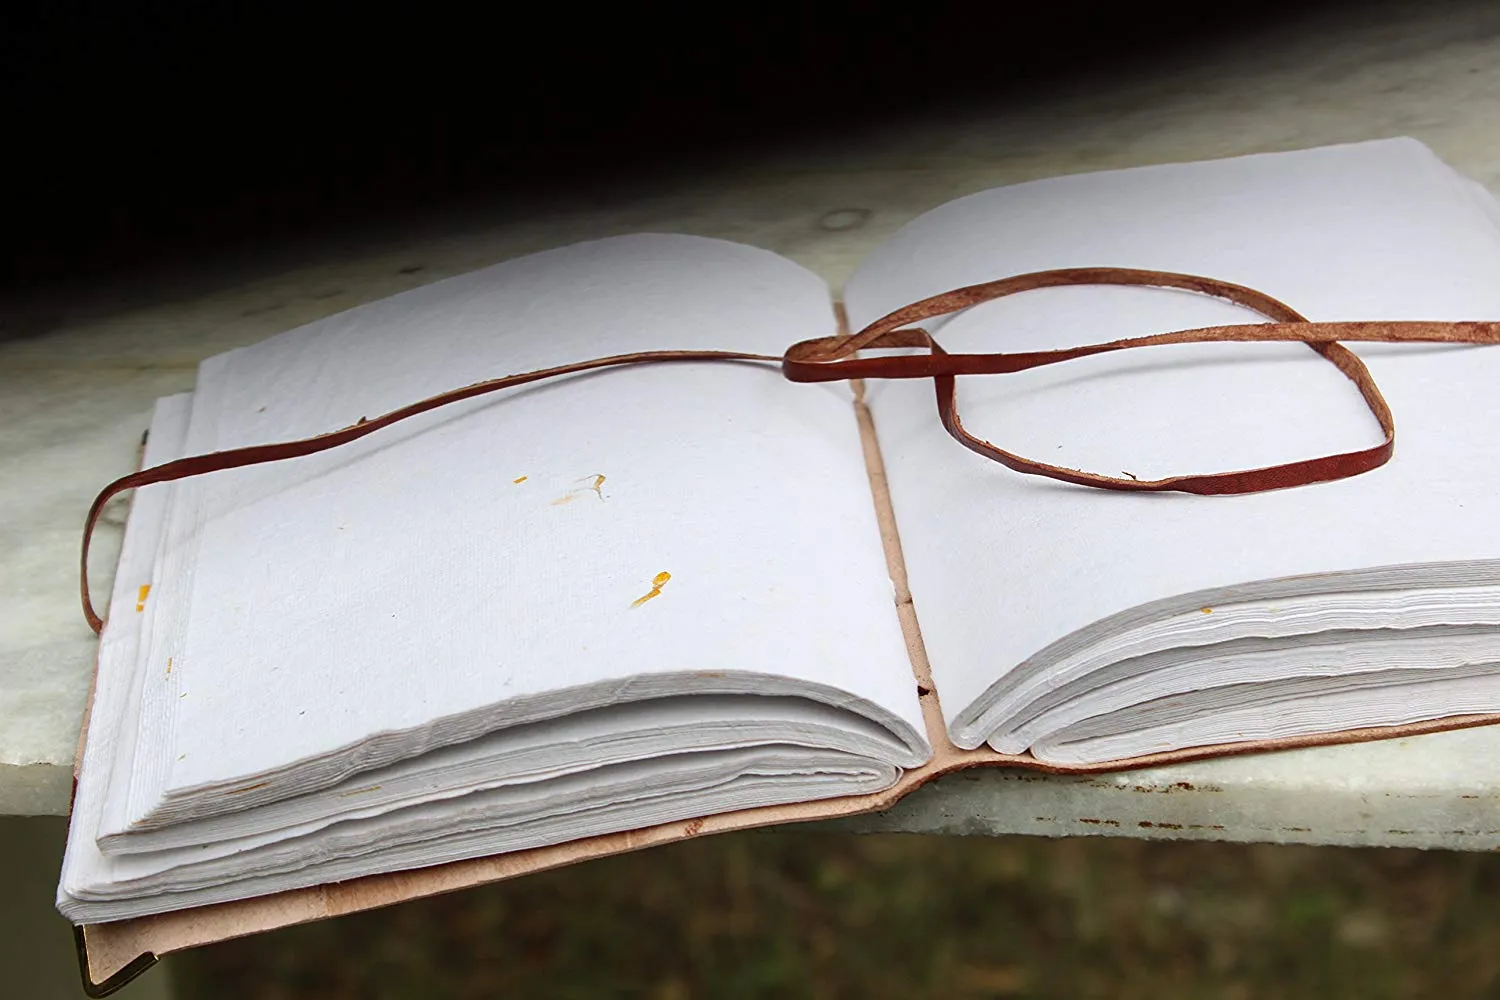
631,605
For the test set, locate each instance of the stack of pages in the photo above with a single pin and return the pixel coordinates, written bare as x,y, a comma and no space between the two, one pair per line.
645,595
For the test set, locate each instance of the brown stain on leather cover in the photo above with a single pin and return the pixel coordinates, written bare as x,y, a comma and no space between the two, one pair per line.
113,946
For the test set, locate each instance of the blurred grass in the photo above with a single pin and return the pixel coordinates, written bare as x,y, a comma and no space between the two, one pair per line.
800,913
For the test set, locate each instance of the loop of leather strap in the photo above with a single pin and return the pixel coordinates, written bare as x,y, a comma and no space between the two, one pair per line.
834,359
831,358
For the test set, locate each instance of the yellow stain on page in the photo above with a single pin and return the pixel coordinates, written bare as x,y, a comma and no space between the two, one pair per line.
140,597
657,582
595,486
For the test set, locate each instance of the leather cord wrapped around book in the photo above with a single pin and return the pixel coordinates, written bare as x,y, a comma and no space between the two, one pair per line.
836,359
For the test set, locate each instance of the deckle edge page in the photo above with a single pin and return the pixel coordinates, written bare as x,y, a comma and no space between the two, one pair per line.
88,705
718,447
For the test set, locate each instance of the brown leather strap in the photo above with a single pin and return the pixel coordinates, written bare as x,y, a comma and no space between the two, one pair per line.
197,465
833,358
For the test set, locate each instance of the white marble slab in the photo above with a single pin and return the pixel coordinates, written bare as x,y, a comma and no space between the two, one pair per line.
74,399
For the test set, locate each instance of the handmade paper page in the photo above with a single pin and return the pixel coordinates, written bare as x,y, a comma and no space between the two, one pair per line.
1008,572
379,828
613,537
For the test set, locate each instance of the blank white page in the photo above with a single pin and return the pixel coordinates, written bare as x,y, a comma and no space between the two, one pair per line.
495,553
1001,565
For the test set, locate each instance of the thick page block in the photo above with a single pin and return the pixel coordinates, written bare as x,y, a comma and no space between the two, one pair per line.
117,947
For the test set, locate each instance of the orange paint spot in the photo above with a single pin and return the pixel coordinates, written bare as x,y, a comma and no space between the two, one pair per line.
520,479
657,582
140,597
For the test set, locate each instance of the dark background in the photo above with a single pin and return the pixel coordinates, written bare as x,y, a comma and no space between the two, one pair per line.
147,132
